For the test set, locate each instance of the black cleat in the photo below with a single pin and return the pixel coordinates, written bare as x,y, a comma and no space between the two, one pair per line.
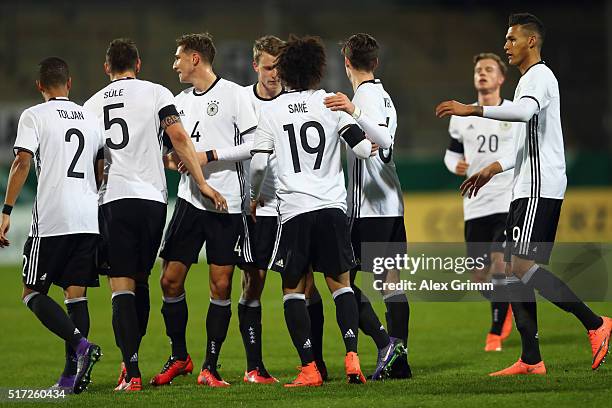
400,369
85,364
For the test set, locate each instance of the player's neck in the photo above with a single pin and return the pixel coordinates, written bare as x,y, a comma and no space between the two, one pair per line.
358,77
54,93
120,75
529,61
489,99
204,79
267,93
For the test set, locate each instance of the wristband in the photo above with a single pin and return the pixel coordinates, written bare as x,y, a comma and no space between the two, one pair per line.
210,156
7,209
356,113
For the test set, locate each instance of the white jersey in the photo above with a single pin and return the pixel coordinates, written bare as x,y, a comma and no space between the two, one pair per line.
130,109
304,135
216,118
268,188
64,139
482,142
374,187
540,159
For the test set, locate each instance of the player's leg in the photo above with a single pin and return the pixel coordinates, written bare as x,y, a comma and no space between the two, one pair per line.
501,314
314,305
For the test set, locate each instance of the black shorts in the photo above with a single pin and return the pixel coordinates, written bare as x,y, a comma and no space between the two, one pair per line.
262,235
531,228
320,239
484,235
379,229
64,260
226,236
132,230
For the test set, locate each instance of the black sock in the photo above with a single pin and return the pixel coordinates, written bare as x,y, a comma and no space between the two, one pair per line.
368,321
79,314
143,307
556,291
347,316
315,313
249,321
498,316
525,311
298,324
125,324
175,314
217,323
53,317
398,316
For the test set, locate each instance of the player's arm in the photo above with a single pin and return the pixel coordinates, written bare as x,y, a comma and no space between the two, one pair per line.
17,178
263,147
474,183
521,111
99,168
376,131
454,158
171,124
354,137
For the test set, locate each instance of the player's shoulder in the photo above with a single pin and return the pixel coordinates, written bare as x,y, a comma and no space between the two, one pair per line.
185,93
539,72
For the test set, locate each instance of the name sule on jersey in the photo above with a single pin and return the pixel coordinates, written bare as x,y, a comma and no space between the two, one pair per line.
112,93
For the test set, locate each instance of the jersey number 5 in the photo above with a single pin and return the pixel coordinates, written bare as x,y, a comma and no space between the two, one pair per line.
108,122
318,149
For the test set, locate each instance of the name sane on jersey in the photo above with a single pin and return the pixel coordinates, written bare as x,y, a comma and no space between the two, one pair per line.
298,107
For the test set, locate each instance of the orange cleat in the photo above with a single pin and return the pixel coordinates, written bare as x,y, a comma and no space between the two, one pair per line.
494,342
135,384
519,368
259,376
352,368
309,376
507,327
172,369
122,374
600,342
211,378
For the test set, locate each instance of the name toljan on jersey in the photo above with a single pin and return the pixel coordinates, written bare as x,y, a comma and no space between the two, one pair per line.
113,92
64,114
298,107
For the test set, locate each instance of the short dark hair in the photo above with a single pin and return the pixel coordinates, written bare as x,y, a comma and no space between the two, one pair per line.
53,72
122,55
269,44
490,55
301,62
530,22
362,51
201,43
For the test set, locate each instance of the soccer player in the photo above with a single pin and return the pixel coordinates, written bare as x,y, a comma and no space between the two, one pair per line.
222,122
133,195
64,139
375,198
537,195
474,143
313,231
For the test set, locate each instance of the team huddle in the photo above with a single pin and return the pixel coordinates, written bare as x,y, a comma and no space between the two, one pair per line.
262,186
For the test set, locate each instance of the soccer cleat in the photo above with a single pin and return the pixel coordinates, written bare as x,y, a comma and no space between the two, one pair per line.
600,342
172,369
135,384
352,369
386,357
64,384
520,368
507,327
210,377
322,369
259,376
85,364
399,369
493,343
309,376
122,374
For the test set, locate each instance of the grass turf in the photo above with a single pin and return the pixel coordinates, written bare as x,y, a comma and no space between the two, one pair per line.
446,340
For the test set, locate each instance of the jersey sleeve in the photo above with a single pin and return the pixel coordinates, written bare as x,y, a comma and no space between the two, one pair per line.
264,138
456,139
246,118
165,103
539,86
28,133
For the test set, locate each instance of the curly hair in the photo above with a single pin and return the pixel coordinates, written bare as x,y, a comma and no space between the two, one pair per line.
301,62
362,51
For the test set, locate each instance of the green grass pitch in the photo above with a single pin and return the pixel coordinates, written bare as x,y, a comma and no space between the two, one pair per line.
446,340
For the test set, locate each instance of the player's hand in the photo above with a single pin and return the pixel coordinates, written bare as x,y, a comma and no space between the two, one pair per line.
461,168
339,102
474,183
253,206
4,229
213,195
202,159
448,108
374,151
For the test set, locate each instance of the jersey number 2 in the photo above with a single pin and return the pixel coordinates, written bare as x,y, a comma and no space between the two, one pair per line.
77,155
318,149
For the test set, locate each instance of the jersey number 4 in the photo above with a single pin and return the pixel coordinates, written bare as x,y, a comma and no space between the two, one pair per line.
318,149
108,122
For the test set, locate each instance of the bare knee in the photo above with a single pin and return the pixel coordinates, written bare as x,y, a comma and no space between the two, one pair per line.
253,283
172,280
